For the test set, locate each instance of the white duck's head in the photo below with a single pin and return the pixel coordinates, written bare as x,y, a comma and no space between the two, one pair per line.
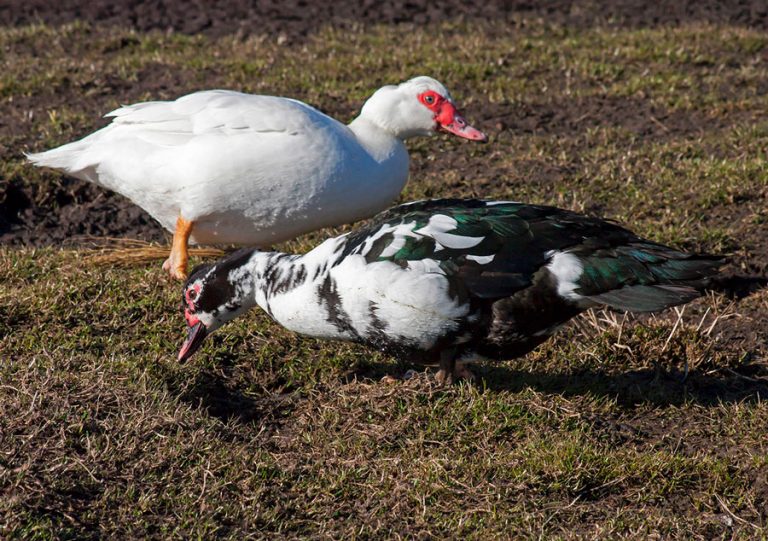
420,106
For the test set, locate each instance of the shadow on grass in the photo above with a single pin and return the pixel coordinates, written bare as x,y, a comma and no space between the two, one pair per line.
736,286
645,386
656,386
220,398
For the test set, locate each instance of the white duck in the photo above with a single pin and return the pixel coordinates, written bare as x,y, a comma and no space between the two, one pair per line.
219,166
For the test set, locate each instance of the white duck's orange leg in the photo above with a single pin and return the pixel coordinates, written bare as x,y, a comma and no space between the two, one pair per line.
176,264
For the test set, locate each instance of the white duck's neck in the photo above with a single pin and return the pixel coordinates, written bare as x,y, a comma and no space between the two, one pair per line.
380,142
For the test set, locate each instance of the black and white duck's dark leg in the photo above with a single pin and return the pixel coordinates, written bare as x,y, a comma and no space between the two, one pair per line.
462,371
451,369
449,372
446,374
390,379
176,264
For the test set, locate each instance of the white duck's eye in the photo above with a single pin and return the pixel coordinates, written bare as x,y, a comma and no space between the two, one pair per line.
429,99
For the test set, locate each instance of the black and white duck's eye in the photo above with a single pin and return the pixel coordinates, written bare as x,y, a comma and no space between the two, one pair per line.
191,294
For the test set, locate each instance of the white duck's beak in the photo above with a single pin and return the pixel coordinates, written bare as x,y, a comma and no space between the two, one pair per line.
449,120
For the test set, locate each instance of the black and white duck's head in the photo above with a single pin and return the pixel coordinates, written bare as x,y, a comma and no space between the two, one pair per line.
419,106
214,295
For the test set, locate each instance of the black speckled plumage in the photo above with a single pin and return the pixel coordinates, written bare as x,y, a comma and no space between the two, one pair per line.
508,276
516,294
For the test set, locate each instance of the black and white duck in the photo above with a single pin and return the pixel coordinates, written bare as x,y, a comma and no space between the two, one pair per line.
448,281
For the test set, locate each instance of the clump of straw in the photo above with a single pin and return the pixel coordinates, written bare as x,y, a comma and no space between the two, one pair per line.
116,252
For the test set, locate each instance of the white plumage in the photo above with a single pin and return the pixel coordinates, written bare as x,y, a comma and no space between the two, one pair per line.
257,170
414,301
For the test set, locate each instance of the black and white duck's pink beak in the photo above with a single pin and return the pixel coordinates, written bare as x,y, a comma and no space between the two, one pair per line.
195,335
449,120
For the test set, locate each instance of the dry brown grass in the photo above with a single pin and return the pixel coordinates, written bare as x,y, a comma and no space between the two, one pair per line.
119,252
620,427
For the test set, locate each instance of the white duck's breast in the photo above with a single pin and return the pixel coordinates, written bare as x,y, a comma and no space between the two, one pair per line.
246,169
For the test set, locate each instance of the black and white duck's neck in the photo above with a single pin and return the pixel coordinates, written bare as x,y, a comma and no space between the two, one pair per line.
292,289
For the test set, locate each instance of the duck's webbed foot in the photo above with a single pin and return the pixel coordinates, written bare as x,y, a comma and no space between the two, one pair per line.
391,380
463,372
452,371
176,264
449,373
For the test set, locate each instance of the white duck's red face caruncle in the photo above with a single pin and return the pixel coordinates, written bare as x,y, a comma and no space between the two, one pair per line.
447,118
420,106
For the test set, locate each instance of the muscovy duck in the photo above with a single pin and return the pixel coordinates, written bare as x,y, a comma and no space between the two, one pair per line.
448,280
222,167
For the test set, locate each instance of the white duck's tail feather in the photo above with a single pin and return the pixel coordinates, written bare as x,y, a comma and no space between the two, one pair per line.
71,158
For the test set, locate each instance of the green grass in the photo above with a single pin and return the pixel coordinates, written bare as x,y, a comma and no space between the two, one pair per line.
264,433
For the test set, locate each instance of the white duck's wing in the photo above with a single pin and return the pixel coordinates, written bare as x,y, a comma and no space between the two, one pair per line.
147,129
222,112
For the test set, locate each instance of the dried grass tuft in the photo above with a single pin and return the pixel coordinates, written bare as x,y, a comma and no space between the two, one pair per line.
117,252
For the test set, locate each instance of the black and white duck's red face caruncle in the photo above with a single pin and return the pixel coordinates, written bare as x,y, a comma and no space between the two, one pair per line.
196,329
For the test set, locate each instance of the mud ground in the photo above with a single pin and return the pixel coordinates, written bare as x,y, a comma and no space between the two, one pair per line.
297,18
70,211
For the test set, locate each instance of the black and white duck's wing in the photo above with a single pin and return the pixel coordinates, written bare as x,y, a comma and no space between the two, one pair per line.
492,250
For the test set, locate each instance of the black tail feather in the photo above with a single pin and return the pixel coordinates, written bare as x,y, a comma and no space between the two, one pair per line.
647,298
652,277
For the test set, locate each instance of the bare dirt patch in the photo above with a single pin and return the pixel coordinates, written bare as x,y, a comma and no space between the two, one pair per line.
295,19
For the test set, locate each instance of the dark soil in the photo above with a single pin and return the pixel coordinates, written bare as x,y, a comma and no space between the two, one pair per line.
75,212
295,19
70,209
